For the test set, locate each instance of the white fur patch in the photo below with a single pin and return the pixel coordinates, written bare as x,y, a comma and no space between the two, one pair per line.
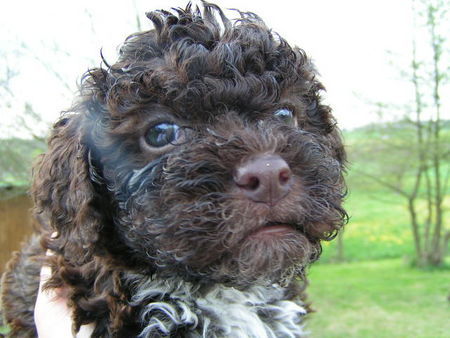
173,306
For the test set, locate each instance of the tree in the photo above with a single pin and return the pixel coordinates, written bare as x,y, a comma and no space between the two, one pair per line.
411,156
23,134
22,139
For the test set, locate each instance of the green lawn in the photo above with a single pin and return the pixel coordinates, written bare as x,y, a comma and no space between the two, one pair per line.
377,293
383,298
378,227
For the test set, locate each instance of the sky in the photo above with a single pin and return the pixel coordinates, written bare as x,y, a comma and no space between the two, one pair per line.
358,46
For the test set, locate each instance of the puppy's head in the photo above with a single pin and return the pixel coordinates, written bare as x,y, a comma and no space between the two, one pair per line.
204,151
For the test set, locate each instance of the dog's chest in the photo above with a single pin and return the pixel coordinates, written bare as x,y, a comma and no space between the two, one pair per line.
174,307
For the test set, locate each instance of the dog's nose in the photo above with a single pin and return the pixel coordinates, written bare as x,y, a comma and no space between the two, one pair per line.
264,179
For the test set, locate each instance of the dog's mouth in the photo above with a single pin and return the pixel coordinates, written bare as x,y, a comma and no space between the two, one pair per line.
272,230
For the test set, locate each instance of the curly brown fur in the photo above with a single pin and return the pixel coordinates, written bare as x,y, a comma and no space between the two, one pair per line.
122,207
20,286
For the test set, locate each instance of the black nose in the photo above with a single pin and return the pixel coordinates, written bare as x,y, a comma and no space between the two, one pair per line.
264,179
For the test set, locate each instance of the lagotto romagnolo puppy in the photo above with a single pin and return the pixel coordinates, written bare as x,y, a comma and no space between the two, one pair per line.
189,187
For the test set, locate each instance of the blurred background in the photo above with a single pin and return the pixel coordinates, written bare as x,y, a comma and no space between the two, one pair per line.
386,67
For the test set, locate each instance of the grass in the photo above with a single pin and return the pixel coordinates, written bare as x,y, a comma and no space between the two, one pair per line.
376,293
383,298
378,228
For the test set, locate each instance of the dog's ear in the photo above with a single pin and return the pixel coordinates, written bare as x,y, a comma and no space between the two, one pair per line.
64,194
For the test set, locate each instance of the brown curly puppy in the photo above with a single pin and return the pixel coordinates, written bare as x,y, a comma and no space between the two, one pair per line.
189,187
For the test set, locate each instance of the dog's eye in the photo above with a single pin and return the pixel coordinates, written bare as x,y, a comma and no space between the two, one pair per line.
285,114
162,134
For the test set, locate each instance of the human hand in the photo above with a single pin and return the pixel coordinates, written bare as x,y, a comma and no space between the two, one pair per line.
52,316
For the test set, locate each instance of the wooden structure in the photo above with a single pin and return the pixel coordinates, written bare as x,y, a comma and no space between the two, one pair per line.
15,225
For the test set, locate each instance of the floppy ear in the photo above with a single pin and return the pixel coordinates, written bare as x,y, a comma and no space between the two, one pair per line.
64,194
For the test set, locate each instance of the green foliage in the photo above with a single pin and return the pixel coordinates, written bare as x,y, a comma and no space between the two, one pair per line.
4,330
389,153
379,224
17,156
378,227
379,299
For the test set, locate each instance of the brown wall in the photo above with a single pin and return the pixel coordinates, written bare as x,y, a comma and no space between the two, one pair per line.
15,225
